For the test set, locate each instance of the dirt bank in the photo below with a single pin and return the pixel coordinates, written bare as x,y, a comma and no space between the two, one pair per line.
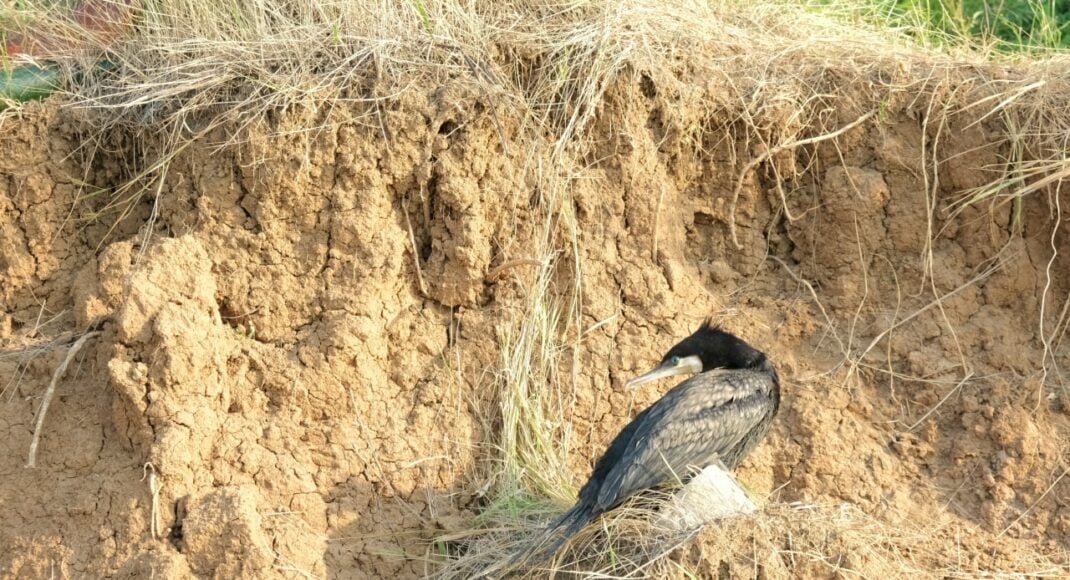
301,330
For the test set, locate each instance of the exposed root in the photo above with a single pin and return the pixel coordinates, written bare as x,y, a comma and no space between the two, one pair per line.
830,324
415,253
148,471
768,153
1034,504
47,399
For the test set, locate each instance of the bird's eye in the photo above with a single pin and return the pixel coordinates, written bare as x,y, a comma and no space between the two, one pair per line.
674,361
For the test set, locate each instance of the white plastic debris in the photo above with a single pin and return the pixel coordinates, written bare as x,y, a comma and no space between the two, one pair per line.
711,495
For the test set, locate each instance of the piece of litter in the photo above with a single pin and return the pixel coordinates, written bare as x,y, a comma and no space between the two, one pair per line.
711,495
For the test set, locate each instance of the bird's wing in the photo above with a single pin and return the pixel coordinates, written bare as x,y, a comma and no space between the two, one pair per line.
693,424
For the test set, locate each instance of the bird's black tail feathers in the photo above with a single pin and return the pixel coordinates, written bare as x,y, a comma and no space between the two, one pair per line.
546,545
574,519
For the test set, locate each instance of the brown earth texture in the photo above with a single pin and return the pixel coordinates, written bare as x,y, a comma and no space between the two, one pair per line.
299,364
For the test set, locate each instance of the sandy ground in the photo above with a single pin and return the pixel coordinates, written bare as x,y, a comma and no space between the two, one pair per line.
300,350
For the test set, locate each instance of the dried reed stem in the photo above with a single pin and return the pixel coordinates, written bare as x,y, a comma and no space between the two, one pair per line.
47,400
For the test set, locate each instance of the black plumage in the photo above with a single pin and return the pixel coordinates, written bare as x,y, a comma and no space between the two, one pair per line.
718,415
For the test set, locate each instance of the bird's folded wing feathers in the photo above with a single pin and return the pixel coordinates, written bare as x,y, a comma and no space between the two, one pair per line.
692,424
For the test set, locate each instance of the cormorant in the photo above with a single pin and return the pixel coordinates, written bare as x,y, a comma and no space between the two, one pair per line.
718,415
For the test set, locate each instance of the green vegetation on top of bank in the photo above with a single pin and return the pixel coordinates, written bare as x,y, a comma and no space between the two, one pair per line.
1004,26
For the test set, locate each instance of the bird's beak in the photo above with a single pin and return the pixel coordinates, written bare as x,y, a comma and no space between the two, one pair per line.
685,366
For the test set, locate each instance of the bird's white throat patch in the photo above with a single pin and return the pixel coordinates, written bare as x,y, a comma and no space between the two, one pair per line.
693,363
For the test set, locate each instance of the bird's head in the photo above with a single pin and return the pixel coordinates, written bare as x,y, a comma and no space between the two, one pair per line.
707,348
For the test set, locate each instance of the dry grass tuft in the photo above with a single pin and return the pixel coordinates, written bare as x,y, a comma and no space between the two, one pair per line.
630,541
805,540
780,541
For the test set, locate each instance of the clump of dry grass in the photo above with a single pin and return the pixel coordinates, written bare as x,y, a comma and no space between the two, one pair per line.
630,541
780,541
822,540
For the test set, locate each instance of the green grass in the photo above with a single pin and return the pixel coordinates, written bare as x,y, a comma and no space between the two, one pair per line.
1013,24
1017,24
1005,26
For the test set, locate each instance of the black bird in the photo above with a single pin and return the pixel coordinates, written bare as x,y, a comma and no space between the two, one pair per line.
719,415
